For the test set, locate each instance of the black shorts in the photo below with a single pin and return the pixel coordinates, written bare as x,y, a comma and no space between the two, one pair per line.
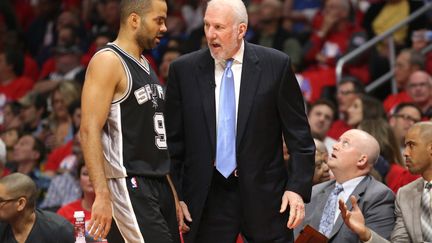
143,211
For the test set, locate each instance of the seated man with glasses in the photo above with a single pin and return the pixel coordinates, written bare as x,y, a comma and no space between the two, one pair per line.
20,221
403,117
419,88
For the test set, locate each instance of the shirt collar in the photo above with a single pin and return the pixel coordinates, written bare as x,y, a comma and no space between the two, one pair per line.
350,185
238,57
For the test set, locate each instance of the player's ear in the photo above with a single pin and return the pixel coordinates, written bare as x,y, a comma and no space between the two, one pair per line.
134,20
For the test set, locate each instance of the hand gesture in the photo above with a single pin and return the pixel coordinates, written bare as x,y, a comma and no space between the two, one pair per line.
297,210
354,219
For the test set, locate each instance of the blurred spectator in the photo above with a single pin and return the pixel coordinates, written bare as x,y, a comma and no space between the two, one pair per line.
66,156
421,39
169,56
20,221
348,90
67,67
320,116
60,121
363,108
85,202
397,175
33,109
321,173
336,35
13,85
419,89
107,17
11,116
382,15
64,187
28,153
403,117
100,40
10,138
407,62
16,40
298,15
271,34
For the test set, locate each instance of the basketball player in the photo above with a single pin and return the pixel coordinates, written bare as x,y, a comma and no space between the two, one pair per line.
123,133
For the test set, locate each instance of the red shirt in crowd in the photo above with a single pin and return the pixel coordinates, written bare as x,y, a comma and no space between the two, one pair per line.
17,88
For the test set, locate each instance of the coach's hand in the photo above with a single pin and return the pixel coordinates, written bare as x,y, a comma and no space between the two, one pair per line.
101,217
185,215
297,211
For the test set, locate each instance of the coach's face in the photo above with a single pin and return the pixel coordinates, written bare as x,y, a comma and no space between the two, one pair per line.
223,32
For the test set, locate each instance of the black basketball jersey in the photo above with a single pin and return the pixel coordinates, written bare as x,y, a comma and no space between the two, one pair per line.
134,138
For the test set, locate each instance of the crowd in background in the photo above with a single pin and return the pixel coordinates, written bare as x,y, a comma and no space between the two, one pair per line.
45,46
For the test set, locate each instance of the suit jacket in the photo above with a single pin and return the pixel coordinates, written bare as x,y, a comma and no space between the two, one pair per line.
375,200
270,105
407,210
407,228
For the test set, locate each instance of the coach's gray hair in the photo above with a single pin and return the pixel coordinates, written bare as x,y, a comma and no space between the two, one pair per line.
237,7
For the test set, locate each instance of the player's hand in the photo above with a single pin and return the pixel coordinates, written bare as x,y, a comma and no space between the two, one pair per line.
354,219
101,217
184,215
297,211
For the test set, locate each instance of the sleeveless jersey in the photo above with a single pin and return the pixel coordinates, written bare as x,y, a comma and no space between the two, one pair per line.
134,138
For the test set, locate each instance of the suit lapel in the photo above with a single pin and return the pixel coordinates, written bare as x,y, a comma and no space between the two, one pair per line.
415,205
250,78
358,193
206,84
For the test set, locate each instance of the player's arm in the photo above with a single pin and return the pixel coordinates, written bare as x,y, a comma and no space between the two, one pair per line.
179,211
103,79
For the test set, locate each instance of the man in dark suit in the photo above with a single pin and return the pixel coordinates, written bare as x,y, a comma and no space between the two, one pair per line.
352,158
410,223
253,195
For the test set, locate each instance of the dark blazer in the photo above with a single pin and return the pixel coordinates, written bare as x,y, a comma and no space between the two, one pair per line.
376,201
270,104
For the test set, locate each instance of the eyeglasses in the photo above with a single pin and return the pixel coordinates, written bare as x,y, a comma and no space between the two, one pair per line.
345,92
406,117
4,201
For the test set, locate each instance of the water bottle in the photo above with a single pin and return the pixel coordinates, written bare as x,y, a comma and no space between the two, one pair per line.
79,227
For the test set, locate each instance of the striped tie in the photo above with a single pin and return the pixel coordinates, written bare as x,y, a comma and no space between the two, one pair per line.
425,219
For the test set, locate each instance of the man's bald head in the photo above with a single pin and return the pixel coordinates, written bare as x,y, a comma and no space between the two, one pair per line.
20,185
367,145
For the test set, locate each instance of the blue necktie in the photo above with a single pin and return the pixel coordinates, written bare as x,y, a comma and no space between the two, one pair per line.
327,218
425,218
226,130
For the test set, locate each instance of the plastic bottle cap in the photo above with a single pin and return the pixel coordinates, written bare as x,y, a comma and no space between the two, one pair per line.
79,214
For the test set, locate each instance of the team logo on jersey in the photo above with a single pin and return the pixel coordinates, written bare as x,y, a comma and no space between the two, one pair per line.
134,182
149,92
